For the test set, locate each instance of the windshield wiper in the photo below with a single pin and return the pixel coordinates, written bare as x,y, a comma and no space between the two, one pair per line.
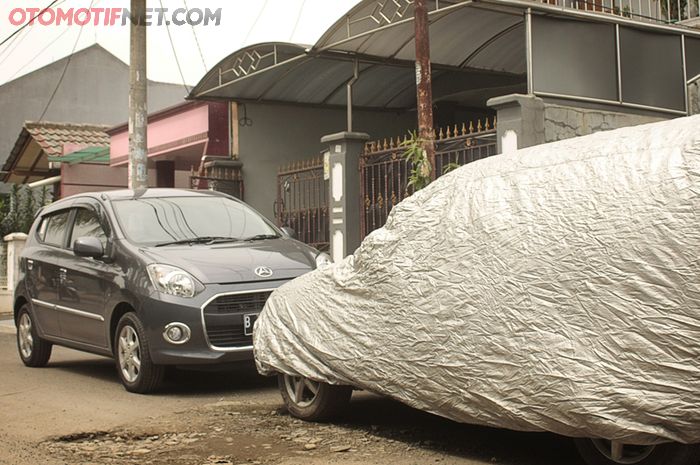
260,237
199,240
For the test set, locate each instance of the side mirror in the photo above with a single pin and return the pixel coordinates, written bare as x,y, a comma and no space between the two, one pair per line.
289,232
88,247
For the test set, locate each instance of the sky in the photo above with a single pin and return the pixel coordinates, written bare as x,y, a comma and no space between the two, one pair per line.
243,22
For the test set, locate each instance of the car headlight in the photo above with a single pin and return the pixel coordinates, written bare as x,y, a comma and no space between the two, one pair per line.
323,260
174,281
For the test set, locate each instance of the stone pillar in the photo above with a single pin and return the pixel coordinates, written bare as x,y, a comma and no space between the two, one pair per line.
15,245
520,121
694,98
344,150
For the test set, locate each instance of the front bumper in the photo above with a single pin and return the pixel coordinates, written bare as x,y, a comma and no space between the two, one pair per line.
158,310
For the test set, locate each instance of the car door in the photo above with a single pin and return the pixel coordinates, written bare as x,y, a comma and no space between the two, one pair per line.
42,268
85,282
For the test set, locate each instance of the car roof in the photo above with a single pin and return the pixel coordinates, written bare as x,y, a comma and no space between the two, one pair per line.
126,194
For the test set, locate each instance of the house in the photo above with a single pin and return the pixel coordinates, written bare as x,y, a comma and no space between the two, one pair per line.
525,72
93,91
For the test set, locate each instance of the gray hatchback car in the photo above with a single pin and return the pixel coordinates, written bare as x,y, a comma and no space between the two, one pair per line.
167,277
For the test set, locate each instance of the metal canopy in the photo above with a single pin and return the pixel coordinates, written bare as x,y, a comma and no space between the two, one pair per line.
471,44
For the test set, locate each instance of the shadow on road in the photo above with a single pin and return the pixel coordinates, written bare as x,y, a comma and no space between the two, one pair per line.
392,420
178,382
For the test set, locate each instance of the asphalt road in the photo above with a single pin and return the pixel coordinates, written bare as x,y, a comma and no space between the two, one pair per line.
79,393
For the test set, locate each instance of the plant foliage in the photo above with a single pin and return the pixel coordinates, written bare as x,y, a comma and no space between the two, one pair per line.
19,207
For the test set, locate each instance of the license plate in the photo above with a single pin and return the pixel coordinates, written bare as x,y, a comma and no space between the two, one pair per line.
248,322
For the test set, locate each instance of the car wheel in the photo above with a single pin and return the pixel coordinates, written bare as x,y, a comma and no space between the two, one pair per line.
311,400
604,452
136,370
33,350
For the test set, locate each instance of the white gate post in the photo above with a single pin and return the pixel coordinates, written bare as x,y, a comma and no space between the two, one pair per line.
15,245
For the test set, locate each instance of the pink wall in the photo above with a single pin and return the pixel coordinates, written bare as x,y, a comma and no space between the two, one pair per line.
85,177
181,129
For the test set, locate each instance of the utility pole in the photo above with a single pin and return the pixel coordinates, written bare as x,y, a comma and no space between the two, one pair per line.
424,87
138,106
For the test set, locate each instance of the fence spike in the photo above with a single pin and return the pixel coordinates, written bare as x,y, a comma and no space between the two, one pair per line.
487,124
471,127
391,142
479,127
441,135
464,129
385,146
456,132
494,122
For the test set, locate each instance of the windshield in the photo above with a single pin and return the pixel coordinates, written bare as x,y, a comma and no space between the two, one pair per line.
154,221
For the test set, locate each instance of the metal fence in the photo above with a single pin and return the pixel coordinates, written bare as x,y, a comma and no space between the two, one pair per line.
385,173
302,202
220,175
656,11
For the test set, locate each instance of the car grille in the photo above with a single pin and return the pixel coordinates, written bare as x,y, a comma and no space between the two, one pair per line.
223,318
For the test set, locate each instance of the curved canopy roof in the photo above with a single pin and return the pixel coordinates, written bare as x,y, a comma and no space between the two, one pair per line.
473,45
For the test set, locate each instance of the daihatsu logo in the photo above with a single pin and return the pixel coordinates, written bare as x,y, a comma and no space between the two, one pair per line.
263,272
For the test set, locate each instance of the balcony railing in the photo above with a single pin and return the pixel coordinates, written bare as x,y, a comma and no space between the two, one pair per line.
655,11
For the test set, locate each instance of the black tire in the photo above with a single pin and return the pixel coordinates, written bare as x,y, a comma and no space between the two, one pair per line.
33,350
136,370
327,402
598,452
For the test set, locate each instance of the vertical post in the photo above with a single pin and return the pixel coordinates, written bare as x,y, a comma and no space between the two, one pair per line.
233,135
15,245
138,107
424,89
351,82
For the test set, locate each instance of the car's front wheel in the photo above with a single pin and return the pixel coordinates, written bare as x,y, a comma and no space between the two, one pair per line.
136,370
33,350
604,452
311,400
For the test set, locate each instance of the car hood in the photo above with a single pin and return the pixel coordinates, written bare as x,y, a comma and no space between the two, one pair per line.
237,261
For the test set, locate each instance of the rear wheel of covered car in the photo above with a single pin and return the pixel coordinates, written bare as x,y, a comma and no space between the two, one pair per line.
604,452
33,350
136,370
311,400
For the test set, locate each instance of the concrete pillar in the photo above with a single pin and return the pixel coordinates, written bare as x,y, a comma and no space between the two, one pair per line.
694,98
15,245
520,121
344,150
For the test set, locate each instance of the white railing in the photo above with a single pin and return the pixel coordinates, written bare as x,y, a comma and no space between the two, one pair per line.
656,11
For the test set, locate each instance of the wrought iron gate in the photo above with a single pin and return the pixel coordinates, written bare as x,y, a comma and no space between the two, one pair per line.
384,172
302,201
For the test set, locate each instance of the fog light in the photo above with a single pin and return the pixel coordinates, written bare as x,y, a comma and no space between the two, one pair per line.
177,333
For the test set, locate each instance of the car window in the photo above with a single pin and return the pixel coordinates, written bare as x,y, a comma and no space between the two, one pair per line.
53,227
149,221
87,224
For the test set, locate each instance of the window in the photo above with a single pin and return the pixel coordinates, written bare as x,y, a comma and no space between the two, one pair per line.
150,221
52,230
87,224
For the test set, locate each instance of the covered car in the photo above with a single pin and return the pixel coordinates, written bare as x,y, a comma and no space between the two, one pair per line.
555,288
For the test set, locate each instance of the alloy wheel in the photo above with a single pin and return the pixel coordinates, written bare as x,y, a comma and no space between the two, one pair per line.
26,340
622,453
301,391
129,350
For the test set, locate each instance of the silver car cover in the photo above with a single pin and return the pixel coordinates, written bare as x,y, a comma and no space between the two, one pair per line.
555,288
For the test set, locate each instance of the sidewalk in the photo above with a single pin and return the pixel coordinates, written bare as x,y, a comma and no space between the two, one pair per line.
7,325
